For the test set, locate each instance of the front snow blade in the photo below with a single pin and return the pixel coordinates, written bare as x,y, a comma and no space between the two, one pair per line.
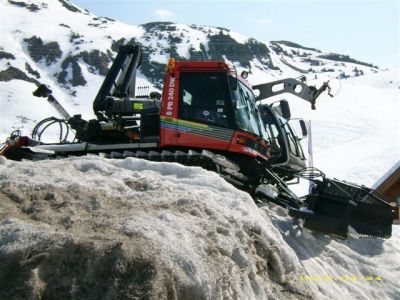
334,206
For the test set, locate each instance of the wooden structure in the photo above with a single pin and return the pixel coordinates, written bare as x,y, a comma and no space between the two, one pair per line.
389,185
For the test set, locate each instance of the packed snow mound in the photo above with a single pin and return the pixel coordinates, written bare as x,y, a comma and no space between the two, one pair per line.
356,268
93,228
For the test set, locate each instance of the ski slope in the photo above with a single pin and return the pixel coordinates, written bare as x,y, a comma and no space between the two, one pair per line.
356,134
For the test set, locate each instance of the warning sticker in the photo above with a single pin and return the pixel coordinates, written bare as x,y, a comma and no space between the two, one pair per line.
138,106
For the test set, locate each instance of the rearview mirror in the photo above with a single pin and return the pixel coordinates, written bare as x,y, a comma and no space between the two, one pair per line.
233,83
303,128
244,74
285,109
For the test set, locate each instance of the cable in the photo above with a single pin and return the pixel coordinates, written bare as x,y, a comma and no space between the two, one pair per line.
43,125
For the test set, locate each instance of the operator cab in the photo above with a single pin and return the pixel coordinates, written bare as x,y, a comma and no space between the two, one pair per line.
207,106
217,99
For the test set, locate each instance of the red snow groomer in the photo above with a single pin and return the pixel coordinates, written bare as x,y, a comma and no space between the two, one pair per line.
208,116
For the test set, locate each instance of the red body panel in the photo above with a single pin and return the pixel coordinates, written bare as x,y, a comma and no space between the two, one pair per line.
196,141
168,137
235,147
169,108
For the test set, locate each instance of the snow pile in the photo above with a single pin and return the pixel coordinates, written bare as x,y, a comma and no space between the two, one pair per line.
83,227
355,268
89,227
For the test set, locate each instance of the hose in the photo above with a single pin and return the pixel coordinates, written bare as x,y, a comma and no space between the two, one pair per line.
43,125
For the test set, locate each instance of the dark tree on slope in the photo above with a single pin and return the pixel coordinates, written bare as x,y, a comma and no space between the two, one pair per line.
345,58
198,55
224,45
30,7
294,45
97,60
159,27
31,71
69,6
6,55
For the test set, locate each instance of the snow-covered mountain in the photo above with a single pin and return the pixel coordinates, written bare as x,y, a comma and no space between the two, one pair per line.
70,49
61,50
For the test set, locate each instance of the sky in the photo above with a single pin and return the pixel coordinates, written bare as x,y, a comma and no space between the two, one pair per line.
364,29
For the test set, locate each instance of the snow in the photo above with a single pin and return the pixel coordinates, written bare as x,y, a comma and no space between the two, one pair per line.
211,236
356,268
355,134
361,126
17,96
238,37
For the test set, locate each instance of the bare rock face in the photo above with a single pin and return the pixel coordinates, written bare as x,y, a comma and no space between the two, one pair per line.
12,73
6,55
76,79
38,50
89,228
31,6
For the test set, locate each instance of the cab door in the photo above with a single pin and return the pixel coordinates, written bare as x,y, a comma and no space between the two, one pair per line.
205,112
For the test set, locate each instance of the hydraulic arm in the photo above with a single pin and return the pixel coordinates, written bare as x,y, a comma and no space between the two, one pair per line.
291,86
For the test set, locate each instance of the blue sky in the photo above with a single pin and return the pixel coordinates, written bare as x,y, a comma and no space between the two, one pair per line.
365,30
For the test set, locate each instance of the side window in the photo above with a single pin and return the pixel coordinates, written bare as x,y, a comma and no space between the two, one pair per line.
204,98
241,112
272,131
292,141
245,111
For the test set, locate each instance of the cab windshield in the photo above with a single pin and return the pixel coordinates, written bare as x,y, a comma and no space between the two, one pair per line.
247,116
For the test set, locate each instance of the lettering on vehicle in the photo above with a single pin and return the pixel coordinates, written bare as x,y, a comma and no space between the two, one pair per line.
170,98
